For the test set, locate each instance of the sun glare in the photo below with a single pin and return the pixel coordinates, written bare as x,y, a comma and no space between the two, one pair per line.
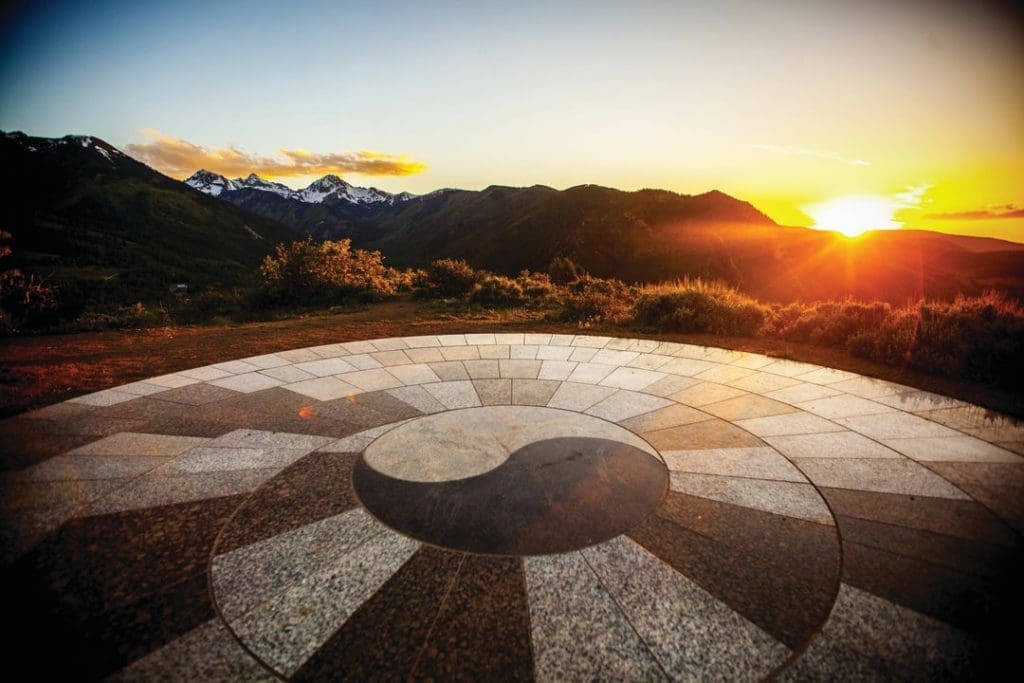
854,215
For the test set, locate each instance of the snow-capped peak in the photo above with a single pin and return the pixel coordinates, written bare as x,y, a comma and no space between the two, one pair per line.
210,183
329,188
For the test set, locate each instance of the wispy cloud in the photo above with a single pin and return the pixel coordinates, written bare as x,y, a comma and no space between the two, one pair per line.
812,153
180,158
989,212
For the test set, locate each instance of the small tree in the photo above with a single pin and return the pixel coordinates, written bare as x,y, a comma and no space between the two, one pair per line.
321,272
23,297
448,278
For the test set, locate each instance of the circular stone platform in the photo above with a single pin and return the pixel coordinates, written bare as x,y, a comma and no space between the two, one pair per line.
513,506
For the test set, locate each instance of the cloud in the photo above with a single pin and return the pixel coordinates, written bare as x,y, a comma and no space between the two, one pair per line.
181,158
812,153
995,211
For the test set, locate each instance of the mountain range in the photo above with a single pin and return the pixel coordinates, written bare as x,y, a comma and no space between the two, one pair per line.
109,228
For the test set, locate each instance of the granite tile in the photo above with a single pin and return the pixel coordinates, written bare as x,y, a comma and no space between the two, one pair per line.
672,415
787,498
325,367
914,401
129,443
236,367
634,379
649,361
452,339
561,339
449,371
590,341
578,397
554,353
480,339
724,373
590,373
952,449
323,388
196,394
743,407
494,392
843,405
710,433
362,361
805,391
267,360
371,380
538,338
425,355
171,381
460,352
495,352
313,353
153,490
687,367
481,369
358,347
142,388
108,397
624,404
827,376
877,474
508,338
613,357
519,369
421,341
671,384
205,374
24,442
417,397
895,425
78,467
532,392
556,369
763,382
389,358
227,459
389,344
751,462
997,486
789,423
754,361
869,387
454,394
524,352
288,374
830,445
704,393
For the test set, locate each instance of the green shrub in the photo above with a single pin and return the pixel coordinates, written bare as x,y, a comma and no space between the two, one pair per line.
495,291
590,300
698,306
450,278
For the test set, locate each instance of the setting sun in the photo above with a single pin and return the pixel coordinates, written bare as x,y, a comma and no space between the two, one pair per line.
854,215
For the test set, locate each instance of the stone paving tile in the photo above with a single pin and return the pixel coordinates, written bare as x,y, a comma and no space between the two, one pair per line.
460,352
687,367
454,394
196,394
868,638
79,467
975,418
480,339
805,391
789,423
417,397
140,444
171,381
224,459
313,353
998,486
208,652
613,357
754,361
578,630
153,490
24,442
389,344
633,379
494,392
649,361
952,449
554,353
449,371
827,376
789,368
267,360
913,401
326,367
371,380
314,608
895,425
426,355
843,406
362,361
624,404
247,382
691,633
141,388
452,339
355,443
724,373
495,352
791,499
880,474
323,388
287,374
869,387
627,344
236,367
509,338
525,352
579,397
672,415
532,392
582,355
590,373
107,397
556,369
423,341
830,445
763,382
747,407
591,342
538,338
704,393
671,384
481,369
756,462
710,433
205,374
388,358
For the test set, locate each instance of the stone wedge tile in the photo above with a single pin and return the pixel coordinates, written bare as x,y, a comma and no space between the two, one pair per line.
495,351
843,405
561,340
554,353
827,376
687,367
868,638
325,367
790,423
258,438
389,344
205,374
538,338
388,358
998,486
224,459
704,393
422,341
556,369
249,576
753,462
362,361
81,467
480,339
155,490
634,379
267,360
236,367
578,397
303,355
628,344
208,652
172,381
789,368
481,369
460,352
914,401
753,361
690,632
589,373
142,388
314,608
532,392
247,383
952,449
508,338
762,382
829,445
494,392
805,391
107,397
582,354
743,407
452,339
724,373
672,415
613,357
649,361
710,433
449,370
671,384
454,394
577,629
424,355
882,475
130,443
418,397
624,404
371,380
524,352
287,374
590,342
869,387
785,498
323,388
895,425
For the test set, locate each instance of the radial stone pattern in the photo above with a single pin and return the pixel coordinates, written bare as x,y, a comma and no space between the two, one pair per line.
514,506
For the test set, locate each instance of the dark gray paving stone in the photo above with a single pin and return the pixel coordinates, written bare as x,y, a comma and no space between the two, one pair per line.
24,442
998,486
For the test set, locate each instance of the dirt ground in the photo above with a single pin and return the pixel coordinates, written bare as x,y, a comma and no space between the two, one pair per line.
40,370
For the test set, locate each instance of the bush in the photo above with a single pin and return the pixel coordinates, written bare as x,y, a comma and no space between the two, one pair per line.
449,278
698,306
590,300
136,315
26,301
827,323
564,270
495,291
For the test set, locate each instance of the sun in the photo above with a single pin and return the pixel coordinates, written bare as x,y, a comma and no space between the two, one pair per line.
854,215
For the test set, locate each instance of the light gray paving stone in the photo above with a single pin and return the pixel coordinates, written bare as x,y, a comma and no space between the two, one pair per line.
323,388
719,355
107,397
751,462
671,384
582,354
460,394
789,368
287,374
224,459
303,355
753,361
895,425
843,405
763,382
705,393
360,347
577,630
422,341
362,361
624,404
561,340
371,380
425,355
205,374
790,499
172,381
804,391
267,360
579,397
417,397
613,357
132,443
258,438
524,352
533,392
521,369
868,638
236,367
325,367
508,338
494,392
416,373
742,407
538,338
869,387
481,369
671,415
206,653
389,343
554,352
286,630
142,388
830,445
881,475
460,352
388,358
952,449
247,383
687,367
81,467
691,633
590,341
634,379
724,373
649,361
789,423
449,370
154,490
495,351
669,348
914,401
556,369
356,443
589,373
827,376
480,339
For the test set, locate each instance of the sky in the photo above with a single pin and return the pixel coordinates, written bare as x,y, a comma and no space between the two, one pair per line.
888,114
